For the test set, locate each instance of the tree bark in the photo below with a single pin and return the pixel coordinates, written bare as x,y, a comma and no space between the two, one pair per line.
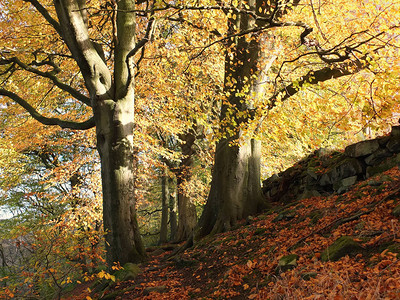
236,187
164,210
173,220
187,216
115,145
112,101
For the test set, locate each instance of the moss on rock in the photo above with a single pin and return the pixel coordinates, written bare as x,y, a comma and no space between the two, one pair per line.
343,246
129,272
287,262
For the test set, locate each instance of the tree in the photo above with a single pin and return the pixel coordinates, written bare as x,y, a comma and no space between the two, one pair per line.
164,209
53,236
235,189
84,67
108,90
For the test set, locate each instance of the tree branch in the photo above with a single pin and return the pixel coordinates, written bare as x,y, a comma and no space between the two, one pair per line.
46,120
252,30
50,75
40,8
75,33
131,65
314,77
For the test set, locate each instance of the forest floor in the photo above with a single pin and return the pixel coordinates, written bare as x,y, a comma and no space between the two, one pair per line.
252,262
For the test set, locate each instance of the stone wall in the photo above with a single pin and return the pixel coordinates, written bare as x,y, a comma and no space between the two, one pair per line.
324,173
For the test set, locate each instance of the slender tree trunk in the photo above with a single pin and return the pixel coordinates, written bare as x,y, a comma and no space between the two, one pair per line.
173,220
164,210
187,216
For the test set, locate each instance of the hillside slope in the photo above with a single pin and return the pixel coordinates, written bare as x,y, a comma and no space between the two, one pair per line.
338,246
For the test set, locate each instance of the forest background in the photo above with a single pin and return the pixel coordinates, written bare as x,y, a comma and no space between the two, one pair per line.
188,103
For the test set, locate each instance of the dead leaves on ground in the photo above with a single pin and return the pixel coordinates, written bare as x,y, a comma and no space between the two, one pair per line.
243,264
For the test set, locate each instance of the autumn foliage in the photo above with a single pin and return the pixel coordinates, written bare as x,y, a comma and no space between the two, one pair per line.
328,71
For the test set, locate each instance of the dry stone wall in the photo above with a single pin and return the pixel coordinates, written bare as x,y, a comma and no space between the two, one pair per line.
324,173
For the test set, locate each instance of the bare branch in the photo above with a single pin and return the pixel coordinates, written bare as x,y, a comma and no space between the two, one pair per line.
253,30
46,120
50,75
314,77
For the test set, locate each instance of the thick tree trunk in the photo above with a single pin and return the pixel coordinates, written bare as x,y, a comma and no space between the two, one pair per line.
114,124
187,216
235,188
112,99
164,210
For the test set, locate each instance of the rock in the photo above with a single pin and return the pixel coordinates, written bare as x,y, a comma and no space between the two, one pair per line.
394,144
349,181
374,183
346,168
387,164
377,157
287,262
396,211
395,131
382,140
308,275
311,173
286,215
154,289
321,152
249,220
343,185
129,272
343,246
325,180
309,194
362,148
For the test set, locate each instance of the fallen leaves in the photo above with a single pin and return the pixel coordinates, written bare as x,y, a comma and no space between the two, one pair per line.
244,263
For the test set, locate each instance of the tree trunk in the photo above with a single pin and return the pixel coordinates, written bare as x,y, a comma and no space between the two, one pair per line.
187,216
236,187
112,100
114,125
173,221
164,210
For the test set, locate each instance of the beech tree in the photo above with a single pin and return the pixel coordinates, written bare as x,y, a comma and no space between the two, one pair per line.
250,52
108,90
